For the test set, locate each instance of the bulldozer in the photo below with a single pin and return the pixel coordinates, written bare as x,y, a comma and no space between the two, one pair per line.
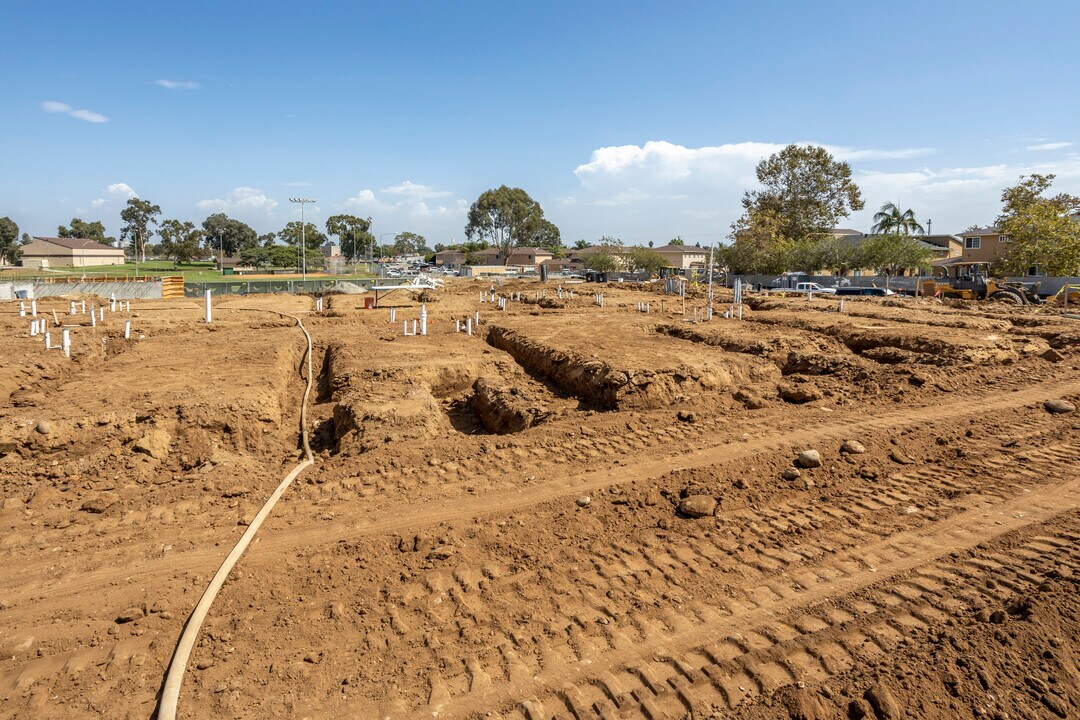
972,281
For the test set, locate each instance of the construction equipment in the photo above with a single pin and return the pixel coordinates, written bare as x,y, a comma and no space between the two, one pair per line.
972,281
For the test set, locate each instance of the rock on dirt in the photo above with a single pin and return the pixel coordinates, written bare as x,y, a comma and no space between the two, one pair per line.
154,443
130,615
686,416
791,474
882,701
584,501
900,458
798,393
44,427
809,459
99,503
697,506
1059,406
852,447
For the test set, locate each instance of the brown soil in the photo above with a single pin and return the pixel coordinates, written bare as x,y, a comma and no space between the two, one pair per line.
493,527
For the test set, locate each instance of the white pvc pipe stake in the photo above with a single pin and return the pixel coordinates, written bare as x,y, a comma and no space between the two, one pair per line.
33,328
457,325
127,303
33,308
468,325
72,307
48,341
423,319
127,329
65,342
93,319
112,305
477,319
841,304
209,312
82,303
22,309
101,313
414,326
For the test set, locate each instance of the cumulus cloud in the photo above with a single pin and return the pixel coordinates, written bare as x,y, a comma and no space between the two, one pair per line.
657,190
52,106
411,189
1050,146
177,84
115,193
246,203
404,207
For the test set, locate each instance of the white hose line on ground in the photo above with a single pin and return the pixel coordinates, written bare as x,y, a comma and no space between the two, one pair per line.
170,694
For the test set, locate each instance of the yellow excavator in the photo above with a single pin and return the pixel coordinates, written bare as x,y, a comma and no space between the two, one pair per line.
972,281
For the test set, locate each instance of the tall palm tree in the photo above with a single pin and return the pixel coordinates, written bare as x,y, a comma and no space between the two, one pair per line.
890,220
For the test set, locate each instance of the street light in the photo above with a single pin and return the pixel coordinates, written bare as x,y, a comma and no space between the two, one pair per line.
303,238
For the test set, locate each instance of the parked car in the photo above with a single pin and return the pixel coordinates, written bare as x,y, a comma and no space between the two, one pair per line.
810,287
864,291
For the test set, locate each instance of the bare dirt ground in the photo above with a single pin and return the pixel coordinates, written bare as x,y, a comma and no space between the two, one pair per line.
576,512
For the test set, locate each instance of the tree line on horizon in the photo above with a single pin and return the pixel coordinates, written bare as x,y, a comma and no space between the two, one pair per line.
786,224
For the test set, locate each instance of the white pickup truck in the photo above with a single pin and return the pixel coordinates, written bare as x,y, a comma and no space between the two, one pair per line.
809,287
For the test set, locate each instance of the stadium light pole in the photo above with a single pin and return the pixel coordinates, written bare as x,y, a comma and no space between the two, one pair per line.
303,237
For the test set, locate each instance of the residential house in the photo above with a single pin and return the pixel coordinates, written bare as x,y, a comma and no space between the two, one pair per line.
450,259
488,256
43,252
528,257
944,246
984,244
683,257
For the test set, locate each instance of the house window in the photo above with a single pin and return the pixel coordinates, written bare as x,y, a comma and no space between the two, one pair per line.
1004,239
973,243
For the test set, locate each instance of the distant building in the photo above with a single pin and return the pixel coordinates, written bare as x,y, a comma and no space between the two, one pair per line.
984,244
450,259
528,257
488,256
331,250
683,257
44,252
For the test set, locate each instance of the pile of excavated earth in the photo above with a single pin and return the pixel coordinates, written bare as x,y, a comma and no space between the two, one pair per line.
576,511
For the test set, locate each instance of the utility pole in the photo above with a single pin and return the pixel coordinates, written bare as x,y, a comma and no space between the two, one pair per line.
303,236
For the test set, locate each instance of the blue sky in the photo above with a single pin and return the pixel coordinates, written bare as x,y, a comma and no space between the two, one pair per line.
638,120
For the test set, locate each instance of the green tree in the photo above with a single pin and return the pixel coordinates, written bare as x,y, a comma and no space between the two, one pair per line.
758,245
894,253
582,244
10,251
292,233
642,259
283,256
606,259
408,243
258,256
1045,231
267,240
180,241
889,219
507,217
138,215
805,191
353,234
228,235
676,241
546,235
86,230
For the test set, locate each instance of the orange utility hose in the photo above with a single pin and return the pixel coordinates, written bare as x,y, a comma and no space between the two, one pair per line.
170,694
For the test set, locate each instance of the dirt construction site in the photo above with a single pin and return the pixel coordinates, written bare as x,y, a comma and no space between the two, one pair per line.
576,511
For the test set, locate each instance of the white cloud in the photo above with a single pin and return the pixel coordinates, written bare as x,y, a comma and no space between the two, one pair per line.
407,208
245,203
1050,146
411,189
177,84
52,106
660,189
117,192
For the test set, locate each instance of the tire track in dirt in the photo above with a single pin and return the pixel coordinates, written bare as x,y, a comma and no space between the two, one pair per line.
437,511
892,584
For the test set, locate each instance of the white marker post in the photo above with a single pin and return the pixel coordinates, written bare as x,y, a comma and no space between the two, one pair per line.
101,313
65,342
93,319
423,319
33,308
33,328
468,325
127,329
82,304
209,312
48,341
72,307
22,309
